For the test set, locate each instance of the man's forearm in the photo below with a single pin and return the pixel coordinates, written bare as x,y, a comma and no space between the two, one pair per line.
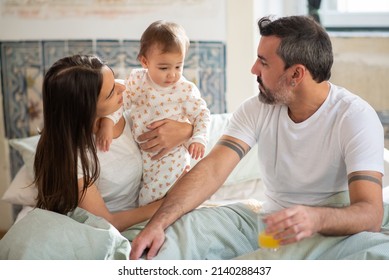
201,182
355,218
188,193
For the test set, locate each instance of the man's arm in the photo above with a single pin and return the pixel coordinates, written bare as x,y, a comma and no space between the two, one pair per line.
366,206
189,192
364,213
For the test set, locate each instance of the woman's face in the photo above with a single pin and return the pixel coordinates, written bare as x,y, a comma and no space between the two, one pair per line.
110,98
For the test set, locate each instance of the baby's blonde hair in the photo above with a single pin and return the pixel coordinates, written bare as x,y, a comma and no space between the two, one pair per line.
168,36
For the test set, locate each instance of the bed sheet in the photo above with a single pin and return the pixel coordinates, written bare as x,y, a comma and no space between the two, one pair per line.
228,231
46,235
360,246
224,232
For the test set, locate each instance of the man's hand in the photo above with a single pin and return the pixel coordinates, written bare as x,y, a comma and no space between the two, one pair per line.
164,135
293,224
151,238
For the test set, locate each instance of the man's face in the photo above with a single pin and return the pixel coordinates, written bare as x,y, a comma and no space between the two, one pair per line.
271,75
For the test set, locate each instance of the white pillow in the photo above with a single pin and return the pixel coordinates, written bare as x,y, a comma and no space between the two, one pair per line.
21,191
26,148
248,168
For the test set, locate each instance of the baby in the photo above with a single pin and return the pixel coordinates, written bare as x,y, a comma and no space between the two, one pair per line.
158,91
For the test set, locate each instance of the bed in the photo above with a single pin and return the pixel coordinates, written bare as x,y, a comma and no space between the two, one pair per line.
223,227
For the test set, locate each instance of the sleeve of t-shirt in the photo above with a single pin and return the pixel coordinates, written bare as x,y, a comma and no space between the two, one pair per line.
362,140
243,124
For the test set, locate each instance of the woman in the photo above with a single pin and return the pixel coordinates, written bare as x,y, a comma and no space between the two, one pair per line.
69,171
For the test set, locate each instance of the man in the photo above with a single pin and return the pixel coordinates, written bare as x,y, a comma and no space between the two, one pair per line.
315,140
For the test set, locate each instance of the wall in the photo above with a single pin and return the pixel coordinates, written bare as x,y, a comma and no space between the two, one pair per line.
107,19
242,42
241,52
361,64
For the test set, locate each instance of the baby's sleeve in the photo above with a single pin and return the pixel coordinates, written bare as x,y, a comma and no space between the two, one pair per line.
199,115
115,116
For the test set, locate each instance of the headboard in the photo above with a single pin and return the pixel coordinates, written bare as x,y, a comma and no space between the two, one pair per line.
23,64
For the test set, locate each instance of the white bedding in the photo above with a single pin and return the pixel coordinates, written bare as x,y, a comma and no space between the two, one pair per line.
224,232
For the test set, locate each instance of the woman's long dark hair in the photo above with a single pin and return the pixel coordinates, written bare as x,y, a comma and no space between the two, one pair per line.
71,88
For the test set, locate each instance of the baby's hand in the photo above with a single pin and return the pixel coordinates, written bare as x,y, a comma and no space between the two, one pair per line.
196,150
104,138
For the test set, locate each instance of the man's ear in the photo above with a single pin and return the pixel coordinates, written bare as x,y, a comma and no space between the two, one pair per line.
299,72
143,61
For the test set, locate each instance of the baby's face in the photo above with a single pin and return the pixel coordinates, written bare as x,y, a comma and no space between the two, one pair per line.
165,69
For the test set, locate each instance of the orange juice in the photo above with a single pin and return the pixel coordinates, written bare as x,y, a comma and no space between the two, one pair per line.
267,241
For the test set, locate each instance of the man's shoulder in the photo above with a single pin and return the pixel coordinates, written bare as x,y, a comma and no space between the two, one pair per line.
348,100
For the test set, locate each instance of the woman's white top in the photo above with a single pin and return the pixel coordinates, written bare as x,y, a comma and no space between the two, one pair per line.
120,171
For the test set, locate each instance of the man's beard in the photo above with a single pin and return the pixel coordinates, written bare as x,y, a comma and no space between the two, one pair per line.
281,95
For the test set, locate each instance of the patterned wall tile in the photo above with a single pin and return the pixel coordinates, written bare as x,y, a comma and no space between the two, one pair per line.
211,55
21,68
23,65
54,50
130,52
79,47
110,51
192,57
212,82
211,64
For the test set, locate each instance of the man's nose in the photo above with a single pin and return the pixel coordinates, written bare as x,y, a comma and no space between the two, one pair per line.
256,69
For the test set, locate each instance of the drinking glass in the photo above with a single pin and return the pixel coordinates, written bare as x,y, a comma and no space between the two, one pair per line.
266,240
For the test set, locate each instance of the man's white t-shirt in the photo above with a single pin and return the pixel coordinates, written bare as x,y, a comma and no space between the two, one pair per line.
307,162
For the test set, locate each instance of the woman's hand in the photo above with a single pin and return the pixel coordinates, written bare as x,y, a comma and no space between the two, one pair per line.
164,135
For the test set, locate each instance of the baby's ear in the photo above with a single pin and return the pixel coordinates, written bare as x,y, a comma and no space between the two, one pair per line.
143,61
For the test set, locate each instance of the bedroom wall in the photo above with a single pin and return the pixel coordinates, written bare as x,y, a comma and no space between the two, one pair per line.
361,64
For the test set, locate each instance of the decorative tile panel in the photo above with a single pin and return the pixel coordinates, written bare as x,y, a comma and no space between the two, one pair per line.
54,50
23,64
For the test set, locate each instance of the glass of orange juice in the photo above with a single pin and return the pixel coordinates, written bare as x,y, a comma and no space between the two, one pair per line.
266,240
